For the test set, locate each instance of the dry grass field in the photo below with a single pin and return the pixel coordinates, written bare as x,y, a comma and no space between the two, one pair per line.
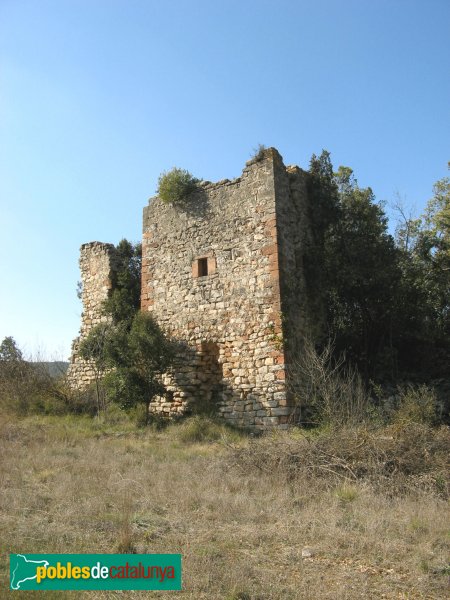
239,509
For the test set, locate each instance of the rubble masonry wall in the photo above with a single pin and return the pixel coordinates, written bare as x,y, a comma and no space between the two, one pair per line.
96,266
234,323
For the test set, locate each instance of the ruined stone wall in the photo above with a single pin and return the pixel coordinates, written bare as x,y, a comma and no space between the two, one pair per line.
293,232
96,266
223,275
231,321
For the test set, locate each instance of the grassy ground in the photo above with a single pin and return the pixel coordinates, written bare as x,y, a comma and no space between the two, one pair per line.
237,514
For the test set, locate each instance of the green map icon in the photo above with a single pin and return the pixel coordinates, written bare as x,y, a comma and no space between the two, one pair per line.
23,569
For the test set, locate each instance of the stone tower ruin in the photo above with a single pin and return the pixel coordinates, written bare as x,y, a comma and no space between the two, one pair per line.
96,266
222,275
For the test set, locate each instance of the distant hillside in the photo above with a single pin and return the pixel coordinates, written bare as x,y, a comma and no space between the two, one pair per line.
54,368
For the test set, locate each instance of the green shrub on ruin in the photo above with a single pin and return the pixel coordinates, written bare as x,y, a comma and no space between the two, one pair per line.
259,153
175,185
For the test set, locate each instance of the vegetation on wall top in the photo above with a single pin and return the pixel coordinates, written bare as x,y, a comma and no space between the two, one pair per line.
259,153
175,185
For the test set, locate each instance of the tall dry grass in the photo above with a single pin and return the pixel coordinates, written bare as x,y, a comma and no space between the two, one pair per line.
239,513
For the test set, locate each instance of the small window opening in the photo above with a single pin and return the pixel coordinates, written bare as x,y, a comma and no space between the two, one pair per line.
202,267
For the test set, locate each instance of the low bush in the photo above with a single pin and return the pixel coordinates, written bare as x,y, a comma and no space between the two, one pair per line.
393,459
416,405
37,387
175,185
203,429
259,153
327,392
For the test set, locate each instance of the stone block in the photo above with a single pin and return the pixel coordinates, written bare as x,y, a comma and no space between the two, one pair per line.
281,412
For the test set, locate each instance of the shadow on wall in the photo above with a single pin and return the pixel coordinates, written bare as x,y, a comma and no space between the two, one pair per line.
195,384
196,204
210,373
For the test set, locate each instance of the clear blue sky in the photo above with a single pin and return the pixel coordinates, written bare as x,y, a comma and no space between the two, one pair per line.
97,97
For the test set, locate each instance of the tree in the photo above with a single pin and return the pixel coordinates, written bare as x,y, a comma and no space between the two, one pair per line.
124,301
19,382
351,267
423,323
93,350
434,246
436,234
362,273
13,367
120,307
323,212
132,359
10,354
140,358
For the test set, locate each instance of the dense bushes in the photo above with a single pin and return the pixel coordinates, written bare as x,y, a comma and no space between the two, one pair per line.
384,301
326,391
29,387
329,392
